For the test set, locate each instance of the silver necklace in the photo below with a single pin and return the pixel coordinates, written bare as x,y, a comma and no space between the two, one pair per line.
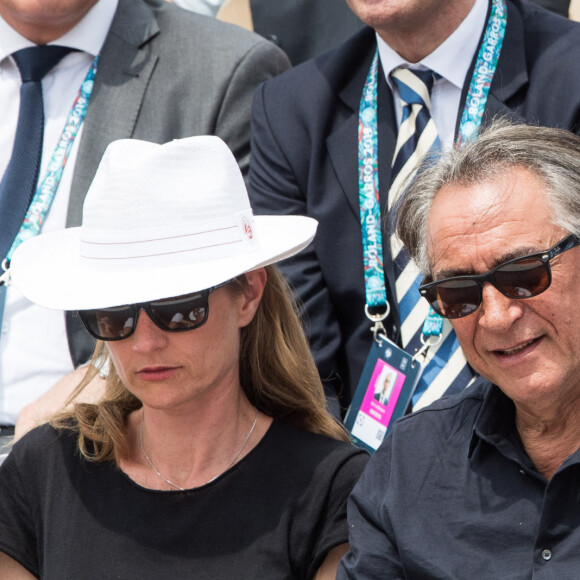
249,434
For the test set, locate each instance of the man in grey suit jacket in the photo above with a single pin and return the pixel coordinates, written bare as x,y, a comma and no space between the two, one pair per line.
163,74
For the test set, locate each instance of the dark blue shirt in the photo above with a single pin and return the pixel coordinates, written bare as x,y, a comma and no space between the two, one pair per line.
451,494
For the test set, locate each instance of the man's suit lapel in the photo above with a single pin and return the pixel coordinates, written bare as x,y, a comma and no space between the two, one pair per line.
125,66
342,142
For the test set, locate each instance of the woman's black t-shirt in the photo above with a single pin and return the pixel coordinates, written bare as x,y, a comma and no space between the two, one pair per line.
274,515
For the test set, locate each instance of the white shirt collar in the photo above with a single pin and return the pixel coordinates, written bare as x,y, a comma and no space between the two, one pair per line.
453,57
87,36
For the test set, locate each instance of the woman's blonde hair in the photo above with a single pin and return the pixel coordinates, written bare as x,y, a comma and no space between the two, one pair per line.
277,374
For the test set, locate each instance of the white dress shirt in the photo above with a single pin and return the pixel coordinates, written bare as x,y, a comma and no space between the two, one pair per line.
205,7
34,351
451,60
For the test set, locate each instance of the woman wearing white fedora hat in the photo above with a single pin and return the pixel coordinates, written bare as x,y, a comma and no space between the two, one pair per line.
211,454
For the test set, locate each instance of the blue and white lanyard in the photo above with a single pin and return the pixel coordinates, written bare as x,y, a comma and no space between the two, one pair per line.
370,211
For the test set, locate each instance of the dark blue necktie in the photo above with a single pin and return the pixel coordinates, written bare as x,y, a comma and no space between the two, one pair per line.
21,175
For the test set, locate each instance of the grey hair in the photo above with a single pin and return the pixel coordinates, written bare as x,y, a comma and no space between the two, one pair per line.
551,155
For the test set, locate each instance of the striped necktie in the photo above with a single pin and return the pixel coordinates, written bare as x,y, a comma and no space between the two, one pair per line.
446,370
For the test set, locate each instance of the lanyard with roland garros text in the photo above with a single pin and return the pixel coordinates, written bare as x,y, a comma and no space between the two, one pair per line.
370,213
390,374
47,188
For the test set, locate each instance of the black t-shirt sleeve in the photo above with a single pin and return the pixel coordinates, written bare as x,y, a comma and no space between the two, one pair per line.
337,476
20,514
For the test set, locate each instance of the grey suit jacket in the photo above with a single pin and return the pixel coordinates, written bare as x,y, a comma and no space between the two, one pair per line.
166,73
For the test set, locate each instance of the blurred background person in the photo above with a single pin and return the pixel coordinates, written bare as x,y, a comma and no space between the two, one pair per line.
561,7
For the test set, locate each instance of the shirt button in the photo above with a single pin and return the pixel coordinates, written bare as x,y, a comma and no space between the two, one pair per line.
547,554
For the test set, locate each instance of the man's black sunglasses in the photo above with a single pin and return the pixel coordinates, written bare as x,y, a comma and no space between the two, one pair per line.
176,314
523,277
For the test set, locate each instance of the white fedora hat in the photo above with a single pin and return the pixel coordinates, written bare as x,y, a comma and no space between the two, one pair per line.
158,221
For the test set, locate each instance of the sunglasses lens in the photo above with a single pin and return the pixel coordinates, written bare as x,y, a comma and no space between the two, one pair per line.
523,278
109,323
455,298
180,313
173,315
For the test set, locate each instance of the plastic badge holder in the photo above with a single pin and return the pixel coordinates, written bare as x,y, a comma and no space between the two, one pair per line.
386,386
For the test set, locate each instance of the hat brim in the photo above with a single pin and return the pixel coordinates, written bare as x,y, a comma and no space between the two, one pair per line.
49,271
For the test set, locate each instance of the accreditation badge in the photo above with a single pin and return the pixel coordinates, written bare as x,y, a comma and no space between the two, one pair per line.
384,391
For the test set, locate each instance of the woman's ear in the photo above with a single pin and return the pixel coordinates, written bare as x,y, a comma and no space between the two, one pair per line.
252,294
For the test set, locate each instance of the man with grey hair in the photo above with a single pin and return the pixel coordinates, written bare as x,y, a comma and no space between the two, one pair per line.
484,484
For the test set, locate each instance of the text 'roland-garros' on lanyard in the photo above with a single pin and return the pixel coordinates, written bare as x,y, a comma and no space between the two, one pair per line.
368,174
47,188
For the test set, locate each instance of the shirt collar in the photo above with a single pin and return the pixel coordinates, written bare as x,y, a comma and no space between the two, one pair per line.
87,36
495,419
495,425
451,59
